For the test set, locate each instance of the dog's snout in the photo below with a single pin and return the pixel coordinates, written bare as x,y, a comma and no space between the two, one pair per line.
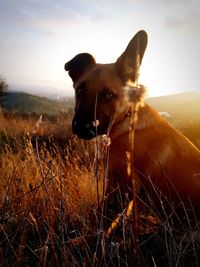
83,129
75,125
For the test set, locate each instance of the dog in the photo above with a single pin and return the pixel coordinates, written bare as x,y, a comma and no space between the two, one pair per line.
166,164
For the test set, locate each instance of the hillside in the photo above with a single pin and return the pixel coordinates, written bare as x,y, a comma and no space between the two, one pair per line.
26,103
182,108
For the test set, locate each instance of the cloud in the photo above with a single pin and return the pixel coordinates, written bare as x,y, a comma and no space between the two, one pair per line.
46,15
189,22
184,15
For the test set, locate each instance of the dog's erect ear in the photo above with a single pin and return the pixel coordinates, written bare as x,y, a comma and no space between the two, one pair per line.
128,63
77,65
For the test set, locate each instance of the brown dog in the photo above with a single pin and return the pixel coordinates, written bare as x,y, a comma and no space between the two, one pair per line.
167,165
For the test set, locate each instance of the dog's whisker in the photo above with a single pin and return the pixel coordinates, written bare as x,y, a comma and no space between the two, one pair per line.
92,132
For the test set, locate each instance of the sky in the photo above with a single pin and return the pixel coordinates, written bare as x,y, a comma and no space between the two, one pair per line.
37,37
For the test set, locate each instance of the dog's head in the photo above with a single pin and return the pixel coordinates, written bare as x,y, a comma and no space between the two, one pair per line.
99,87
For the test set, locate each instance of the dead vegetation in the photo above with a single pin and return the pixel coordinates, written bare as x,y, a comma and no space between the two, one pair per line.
48,195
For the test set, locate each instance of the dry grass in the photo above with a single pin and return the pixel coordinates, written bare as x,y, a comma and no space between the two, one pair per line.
40,194
47,195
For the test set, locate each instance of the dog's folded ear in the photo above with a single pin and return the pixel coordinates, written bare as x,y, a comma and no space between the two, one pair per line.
128,63
77,65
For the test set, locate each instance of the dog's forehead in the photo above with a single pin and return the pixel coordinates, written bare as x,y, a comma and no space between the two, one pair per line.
98,76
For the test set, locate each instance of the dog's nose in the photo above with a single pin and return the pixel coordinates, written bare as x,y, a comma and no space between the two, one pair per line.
83,130
88,125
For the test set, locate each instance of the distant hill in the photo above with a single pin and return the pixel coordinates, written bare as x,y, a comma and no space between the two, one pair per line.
27,103
181,107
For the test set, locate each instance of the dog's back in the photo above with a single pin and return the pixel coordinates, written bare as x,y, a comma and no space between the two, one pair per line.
167,164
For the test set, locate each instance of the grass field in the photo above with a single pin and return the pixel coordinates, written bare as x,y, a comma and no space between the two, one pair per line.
48,191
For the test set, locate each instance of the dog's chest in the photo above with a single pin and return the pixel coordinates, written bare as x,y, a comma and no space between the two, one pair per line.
118,161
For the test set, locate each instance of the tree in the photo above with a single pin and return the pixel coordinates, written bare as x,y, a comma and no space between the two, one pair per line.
3,87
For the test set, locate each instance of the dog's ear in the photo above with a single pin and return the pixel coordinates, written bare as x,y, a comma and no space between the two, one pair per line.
77,65
128,63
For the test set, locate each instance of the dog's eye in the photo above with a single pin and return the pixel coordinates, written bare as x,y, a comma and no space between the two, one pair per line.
109,96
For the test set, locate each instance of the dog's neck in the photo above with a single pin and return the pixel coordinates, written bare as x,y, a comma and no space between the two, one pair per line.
142,117
147,116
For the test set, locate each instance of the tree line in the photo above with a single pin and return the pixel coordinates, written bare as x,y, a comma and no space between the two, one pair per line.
3,87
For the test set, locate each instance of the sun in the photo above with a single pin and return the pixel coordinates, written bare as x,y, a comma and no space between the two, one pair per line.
152,78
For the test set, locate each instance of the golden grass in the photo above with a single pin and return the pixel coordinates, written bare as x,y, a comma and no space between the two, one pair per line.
39,191
47,195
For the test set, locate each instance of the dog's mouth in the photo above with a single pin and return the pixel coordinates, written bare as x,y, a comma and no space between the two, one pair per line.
88,130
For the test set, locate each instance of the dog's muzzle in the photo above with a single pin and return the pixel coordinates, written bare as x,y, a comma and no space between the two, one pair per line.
84,130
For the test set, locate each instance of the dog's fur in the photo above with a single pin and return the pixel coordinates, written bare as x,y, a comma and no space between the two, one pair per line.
166,163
